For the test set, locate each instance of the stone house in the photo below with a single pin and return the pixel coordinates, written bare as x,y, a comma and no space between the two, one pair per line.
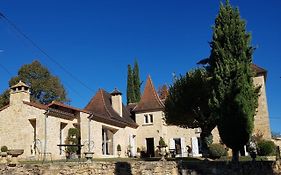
104,123
39,129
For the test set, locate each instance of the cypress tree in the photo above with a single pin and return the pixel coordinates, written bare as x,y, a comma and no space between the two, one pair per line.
234,97
130,86
137,82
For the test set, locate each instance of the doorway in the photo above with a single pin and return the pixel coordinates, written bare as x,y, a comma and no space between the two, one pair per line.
150,147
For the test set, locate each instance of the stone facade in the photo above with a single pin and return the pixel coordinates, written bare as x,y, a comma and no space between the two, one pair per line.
147,168
104,123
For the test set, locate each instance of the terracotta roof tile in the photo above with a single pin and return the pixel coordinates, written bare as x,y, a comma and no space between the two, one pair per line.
36,105
258,70
150,100
100,106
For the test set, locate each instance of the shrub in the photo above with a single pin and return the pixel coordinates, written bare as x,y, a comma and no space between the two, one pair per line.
266,148
118,147
4,148
217,150
72,139
162,142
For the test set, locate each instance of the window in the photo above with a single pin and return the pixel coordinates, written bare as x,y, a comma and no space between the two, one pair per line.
148,119
151,118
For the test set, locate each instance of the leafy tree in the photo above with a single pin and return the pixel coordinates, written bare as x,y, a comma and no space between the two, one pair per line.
45,87
130,86
234,97
187,104
137,83
4,98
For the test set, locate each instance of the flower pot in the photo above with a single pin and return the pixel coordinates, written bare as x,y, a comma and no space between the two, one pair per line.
89,156
162,152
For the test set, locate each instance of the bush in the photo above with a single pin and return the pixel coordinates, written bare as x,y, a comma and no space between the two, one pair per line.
162,142
217,150
266,148
4,148
72,139
118,147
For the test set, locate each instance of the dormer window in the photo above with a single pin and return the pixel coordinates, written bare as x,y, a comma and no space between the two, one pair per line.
148,118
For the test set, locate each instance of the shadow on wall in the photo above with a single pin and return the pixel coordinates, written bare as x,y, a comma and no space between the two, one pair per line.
123,168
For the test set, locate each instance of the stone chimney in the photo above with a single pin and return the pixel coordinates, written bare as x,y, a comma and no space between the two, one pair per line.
18,93
116,99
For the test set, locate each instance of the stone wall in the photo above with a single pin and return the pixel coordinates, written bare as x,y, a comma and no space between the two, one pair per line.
146,168
100,168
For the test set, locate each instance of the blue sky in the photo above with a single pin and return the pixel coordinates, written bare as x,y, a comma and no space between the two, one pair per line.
96,40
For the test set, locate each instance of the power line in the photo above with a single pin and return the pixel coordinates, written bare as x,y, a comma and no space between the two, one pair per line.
6,70
2,16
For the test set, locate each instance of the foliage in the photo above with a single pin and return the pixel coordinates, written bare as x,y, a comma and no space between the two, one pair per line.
130,86
73,138
133,84
45,87
4,98
258,137
4,148
162,142
137,83
266,148
118,147
217,150
234,97
187,104
163,92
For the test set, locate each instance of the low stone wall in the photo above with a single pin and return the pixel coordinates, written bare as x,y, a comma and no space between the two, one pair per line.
226,168
99,168
145,168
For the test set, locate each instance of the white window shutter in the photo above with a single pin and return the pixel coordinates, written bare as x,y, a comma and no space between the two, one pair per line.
172,143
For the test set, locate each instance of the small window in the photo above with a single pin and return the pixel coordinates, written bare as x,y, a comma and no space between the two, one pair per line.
146,119
151,118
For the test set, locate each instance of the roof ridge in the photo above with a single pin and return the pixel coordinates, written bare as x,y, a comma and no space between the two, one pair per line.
154,92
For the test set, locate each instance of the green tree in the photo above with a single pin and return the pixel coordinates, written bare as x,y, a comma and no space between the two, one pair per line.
45,87
130,86
137,83
234,97
4,98
187,104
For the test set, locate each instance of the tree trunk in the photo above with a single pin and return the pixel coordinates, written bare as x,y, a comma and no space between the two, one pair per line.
235,156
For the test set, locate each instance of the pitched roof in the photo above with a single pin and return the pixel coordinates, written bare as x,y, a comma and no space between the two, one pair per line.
258,70
36,105
101,108
20,84
150,100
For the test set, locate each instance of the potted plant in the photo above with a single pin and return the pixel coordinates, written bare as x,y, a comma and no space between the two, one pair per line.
129,150
162,148
119,150
72,140
138,152
4,154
